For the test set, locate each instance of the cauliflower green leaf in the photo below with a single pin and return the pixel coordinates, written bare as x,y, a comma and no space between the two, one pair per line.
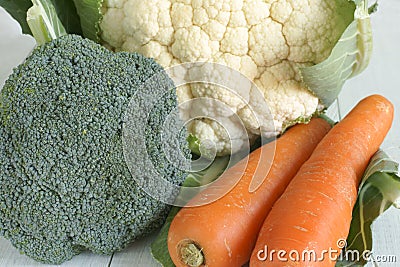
349,57
65,9
43,21
89,12
379,190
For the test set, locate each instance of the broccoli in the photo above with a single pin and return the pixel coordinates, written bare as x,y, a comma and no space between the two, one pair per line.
65,186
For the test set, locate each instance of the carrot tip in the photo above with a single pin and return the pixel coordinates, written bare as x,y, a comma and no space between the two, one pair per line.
190,253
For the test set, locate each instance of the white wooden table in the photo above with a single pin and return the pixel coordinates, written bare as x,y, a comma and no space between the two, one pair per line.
382,76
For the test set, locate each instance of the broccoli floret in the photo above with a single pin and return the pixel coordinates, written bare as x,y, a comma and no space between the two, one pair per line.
65,186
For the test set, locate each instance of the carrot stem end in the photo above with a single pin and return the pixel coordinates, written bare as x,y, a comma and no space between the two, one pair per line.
190,253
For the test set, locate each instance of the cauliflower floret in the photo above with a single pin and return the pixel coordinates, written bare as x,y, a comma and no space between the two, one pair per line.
265,40
223,134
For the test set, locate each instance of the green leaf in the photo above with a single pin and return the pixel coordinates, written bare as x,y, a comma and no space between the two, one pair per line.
17,9
90,15
379,190
194,144
159,247
68,15
65,10
380,162
205,150
349,57
43,21
373,8
327,119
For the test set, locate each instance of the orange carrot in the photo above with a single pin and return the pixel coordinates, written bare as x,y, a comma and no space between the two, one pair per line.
224,232
309,223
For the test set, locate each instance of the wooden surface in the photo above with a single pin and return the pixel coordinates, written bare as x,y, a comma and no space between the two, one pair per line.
382,76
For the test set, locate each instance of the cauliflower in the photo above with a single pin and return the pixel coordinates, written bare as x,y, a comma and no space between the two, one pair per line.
265,40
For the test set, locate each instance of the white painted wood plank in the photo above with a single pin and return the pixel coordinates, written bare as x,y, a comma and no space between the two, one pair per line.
11,38
10,257
386,235
137,254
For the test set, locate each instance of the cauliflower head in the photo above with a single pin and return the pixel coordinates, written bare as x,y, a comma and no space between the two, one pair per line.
265,40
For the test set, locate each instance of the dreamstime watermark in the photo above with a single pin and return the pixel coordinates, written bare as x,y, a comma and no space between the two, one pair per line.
340,253
352,255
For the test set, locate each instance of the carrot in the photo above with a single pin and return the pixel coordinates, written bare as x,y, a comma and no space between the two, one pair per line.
224,232
309,223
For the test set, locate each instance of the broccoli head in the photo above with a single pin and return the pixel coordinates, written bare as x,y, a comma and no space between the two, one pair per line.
65,186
